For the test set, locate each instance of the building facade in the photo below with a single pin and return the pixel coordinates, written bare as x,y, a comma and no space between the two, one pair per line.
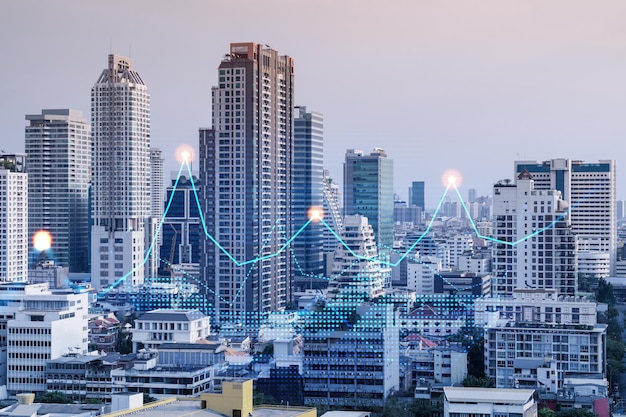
416,194
246,165
58,148
121,175
368,191
308,176
590,190
13,221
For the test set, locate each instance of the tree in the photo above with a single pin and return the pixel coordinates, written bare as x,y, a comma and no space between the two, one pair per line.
481,382
546,412
55,397
576,412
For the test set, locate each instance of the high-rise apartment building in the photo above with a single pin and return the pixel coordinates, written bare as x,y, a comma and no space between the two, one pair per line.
332,212
536,248
13,219
157,192
246,168
120,108
416,194
368,191
152,231
590,190
58,148
308,176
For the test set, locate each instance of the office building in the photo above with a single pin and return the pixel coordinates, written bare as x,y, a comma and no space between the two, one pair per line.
368,191
13,219
536,248
58,148
153,237
308,176
181,230
120,108
332,213
416,194
246,164
589,188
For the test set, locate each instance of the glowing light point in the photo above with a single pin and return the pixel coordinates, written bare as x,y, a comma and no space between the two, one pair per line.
184,154
316,213
451,178
42,240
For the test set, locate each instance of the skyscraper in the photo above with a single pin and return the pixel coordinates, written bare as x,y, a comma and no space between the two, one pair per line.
416,194
13,219
246,168
368,191
157,194
120,108
590,190
58,148
308,176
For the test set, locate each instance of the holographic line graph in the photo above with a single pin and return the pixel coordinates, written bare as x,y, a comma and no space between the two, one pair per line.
287,244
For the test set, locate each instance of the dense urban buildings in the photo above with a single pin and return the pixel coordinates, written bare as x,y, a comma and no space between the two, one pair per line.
58,149
246,164
368,191
121,203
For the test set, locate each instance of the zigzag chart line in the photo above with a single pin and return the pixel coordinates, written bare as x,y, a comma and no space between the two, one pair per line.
288,242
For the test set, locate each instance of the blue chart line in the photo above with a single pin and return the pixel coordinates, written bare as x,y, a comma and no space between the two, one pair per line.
288,242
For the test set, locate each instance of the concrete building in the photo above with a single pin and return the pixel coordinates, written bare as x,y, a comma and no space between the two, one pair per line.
535,246
58,148
13,219
355,276
308,179
120,108
539,338
589,188
174,326
246,166
153,234
351,365
47,327
368,191
462,401
432,363
416,194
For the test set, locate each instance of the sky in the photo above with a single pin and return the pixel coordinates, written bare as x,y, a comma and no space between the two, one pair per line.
439,84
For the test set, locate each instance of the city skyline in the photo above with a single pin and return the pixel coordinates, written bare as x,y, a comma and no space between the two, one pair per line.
493,82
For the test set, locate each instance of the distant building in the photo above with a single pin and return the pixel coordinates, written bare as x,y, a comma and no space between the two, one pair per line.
416,194
103,332
58,147
368,191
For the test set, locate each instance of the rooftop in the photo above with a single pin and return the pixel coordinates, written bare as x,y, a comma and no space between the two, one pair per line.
172,315
488,395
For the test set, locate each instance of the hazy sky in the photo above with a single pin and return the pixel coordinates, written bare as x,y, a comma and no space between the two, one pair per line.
470,85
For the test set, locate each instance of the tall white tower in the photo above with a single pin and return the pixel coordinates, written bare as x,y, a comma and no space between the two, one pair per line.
58,148
13,219
120,108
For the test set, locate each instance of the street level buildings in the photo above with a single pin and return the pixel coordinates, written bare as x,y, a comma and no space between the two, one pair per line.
246,164
120,107
58,148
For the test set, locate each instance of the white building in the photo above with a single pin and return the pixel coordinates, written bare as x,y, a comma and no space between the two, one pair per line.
458,245
58,148
487,402
168,326
46,327
357,277
420,276
535,247
590,190
121,175
332,212
153,235
593,263
13,221
479,263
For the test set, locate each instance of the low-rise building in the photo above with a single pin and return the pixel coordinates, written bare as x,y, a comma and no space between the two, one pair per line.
167,326
463,402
